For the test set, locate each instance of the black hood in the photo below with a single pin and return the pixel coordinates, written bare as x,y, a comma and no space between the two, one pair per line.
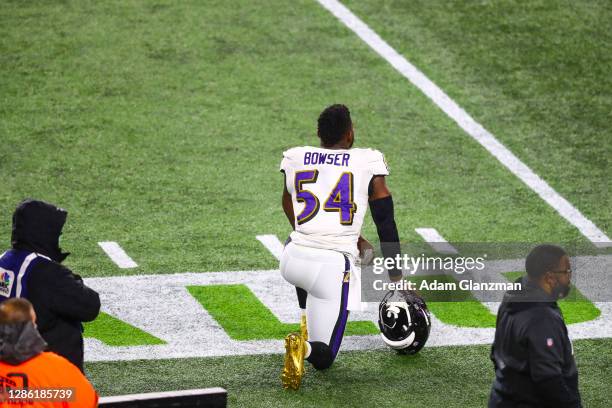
530,295
37,227
20,342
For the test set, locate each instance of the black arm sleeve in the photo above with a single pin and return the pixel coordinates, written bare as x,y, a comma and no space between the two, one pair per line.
382,214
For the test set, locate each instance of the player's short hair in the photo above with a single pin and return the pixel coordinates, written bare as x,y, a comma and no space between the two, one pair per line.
542,259
15,310
333,124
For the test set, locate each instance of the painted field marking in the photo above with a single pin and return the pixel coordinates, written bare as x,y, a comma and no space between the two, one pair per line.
259,323
468,124
117,255
272,244
436,241
162,306
439,244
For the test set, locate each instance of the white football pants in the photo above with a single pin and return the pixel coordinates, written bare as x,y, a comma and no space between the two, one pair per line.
324,274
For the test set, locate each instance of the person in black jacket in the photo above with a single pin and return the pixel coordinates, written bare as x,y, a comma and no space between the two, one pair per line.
32,269
532,353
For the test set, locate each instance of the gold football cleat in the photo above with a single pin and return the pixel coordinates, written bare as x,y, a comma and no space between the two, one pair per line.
304,328
293,371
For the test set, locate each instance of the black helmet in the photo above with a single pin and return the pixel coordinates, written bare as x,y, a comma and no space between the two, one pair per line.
404,321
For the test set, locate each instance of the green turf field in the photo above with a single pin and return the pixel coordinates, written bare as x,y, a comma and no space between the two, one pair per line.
437,377
160,125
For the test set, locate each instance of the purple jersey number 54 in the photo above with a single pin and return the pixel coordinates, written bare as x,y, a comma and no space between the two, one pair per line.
340,199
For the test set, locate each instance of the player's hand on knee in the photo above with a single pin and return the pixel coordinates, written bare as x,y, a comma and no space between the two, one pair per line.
366,251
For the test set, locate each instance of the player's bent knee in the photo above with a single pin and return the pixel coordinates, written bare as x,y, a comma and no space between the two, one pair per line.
321,356
324,364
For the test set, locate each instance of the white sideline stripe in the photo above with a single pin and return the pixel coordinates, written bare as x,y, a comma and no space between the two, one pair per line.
272,243
117,254
436,241
468,124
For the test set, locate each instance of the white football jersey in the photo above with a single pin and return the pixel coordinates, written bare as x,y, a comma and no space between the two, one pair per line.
329,189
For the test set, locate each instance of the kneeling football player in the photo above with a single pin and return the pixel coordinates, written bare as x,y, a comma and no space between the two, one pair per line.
327,191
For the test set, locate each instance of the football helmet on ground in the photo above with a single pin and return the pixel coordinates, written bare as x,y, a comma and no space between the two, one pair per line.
404,321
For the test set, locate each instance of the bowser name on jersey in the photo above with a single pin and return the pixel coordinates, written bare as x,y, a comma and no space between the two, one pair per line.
337,159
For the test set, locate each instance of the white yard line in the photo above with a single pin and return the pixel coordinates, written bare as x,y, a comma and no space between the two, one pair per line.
436,241
272,244
162,306
468,124
117,255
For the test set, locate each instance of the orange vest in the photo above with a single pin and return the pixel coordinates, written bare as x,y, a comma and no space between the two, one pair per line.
47,371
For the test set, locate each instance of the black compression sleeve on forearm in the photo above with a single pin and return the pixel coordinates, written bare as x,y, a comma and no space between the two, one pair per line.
556,392
382,214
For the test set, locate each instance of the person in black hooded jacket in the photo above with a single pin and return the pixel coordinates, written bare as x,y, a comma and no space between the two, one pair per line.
532,353
32,269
